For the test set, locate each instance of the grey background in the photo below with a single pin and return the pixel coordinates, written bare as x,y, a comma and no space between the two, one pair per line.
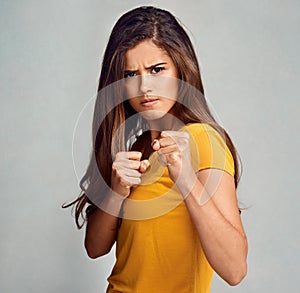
50,61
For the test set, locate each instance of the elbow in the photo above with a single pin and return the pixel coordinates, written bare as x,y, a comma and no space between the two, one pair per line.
95,253
92,254
239,268
237,275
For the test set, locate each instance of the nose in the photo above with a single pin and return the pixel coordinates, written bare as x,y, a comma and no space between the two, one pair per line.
145,83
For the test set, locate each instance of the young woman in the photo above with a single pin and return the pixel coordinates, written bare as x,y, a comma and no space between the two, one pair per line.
163,174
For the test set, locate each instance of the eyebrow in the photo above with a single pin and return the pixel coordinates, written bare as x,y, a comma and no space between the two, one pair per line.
149,67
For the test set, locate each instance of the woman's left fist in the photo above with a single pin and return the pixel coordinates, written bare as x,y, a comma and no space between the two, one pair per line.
173,148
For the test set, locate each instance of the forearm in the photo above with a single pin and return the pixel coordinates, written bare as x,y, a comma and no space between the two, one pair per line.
225,246
101,229
102,226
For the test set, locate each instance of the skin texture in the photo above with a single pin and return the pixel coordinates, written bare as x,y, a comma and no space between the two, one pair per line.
217,220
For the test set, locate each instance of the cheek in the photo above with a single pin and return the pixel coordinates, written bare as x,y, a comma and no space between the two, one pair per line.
133,102
167,87
169,104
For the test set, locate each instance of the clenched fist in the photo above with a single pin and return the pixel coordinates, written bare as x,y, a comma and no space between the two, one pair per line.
127,170
173,148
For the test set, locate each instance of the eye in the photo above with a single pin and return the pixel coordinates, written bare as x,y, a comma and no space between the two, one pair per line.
129,74
156,70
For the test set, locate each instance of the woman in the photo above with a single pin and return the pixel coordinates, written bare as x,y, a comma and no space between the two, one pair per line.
163,172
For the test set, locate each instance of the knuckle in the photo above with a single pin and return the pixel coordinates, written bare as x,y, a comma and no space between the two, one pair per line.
118,174
175,156
118,155
183,143
136,164
115,166
121,155
184,134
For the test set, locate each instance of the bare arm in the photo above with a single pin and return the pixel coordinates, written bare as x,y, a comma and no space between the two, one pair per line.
102,225
101,230
210,197
219,225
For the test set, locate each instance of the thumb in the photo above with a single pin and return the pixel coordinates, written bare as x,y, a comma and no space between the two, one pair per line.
155,144
144,165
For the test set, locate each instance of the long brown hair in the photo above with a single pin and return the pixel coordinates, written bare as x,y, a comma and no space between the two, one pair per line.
133,27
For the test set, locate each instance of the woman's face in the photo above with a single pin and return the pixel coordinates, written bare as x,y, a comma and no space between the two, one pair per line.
150,80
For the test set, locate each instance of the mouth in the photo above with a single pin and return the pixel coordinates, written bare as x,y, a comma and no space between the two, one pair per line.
149,102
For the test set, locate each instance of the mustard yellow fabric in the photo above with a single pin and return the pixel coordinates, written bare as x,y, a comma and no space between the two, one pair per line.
158,250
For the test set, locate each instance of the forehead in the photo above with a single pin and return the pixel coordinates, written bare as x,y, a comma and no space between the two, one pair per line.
145,53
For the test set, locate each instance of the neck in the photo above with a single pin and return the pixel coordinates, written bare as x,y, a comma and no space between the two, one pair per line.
165,123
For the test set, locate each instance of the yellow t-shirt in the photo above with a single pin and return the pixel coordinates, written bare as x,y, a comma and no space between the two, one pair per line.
158,250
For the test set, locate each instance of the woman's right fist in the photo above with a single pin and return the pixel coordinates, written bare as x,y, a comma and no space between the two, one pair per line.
127,170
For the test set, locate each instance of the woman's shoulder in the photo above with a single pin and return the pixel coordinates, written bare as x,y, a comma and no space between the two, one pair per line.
208,146
198,127
206,132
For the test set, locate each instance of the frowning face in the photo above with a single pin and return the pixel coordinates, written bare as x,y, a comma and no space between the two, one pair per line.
150,80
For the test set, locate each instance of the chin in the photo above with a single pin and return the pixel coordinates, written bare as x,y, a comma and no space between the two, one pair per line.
150,115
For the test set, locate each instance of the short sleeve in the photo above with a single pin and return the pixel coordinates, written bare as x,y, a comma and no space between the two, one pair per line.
208,149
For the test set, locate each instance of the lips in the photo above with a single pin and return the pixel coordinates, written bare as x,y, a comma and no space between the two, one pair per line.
149,102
